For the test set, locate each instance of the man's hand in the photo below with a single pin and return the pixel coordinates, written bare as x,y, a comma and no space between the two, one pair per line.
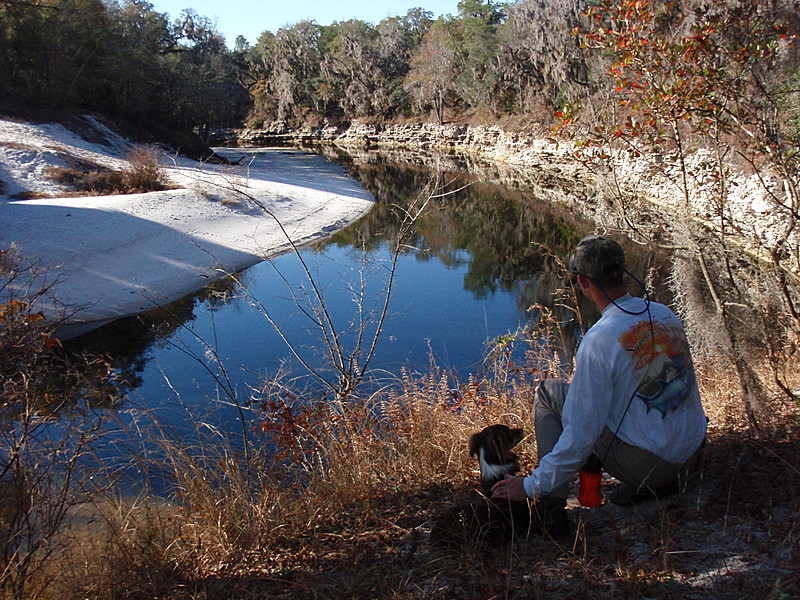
510,489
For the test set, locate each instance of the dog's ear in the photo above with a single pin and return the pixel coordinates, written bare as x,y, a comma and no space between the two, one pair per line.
475,443
516,436
507,438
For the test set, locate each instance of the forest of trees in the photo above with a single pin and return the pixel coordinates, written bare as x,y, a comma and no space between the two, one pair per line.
121,59
490,59
124,59
128,61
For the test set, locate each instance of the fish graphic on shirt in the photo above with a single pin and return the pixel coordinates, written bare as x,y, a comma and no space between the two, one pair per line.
662,364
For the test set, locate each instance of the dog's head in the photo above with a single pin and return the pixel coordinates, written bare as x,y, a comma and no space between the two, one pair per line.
496,441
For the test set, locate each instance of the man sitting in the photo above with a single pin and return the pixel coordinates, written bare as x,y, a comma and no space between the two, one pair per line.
633,400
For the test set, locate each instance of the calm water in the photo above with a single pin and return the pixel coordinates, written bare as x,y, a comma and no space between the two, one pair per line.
470,269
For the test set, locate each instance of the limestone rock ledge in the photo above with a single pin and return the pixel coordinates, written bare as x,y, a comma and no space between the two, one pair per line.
491,142
510,157
603,191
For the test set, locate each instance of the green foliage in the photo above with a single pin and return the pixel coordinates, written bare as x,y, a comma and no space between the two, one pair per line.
348,69
475,44
493,57
51,54
123,59
433,72
295,63
127,60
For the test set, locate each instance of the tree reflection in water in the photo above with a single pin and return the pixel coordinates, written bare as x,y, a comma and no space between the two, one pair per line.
499,239
130,342
505,235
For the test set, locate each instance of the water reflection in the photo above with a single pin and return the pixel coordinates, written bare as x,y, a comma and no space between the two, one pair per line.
132,342
477,259
509,234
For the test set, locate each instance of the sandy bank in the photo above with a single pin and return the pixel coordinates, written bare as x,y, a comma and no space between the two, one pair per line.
111,256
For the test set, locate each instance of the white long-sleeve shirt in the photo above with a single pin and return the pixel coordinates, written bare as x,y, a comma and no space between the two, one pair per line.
634,375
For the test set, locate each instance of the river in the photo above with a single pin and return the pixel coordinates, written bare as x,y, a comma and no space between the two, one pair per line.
470,269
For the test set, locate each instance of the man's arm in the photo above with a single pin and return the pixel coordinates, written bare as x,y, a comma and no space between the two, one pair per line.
585,414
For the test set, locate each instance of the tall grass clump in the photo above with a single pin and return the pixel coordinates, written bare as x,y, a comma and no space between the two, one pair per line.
85,177
336,470
145,170
410,436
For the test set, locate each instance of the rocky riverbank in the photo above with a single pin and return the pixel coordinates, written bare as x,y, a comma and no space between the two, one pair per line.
516,159
520,148
610,192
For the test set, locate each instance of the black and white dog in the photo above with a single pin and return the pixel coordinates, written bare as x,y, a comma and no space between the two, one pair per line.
485,520
492,447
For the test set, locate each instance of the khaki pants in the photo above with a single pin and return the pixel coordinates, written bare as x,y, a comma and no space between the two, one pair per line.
636,468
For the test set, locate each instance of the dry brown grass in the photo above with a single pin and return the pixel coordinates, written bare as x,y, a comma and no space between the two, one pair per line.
344,511
18,146
344,475
344,507
144,172
29,195
352,521
85,181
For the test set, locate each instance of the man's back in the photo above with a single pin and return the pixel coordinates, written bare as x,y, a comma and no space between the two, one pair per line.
636,361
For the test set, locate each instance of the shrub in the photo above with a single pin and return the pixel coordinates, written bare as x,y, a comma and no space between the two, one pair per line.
145,171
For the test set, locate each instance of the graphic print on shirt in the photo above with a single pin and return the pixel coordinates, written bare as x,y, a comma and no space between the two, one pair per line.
662,364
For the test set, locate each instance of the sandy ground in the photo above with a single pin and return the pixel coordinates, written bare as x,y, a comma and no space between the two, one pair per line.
111,256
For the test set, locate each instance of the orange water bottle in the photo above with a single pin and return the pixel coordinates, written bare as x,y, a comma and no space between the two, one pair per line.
591,474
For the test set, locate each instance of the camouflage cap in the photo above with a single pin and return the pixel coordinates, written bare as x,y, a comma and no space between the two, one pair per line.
598,257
